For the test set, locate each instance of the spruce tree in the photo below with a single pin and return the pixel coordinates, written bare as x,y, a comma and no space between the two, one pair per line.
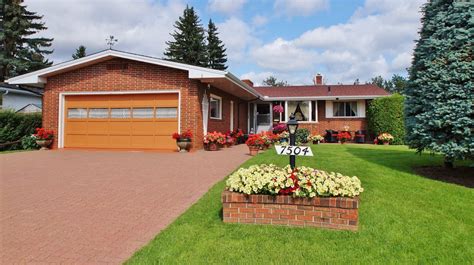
439,94
21,51
216,57
80,52
188,45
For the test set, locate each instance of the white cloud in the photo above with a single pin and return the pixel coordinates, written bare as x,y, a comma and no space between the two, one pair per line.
283,56
237,37
377,40
226,6
259,20
299,7
140,25
257,78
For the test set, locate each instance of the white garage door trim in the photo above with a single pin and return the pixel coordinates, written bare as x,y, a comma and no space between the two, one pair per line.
62,98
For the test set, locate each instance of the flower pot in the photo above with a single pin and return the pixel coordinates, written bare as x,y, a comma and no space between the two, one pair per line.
212,147
283,140
253,150
44,143
316,142
184,145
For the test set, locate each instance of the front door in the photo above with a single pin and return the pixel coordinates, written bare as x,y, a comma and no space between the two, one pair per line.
263,117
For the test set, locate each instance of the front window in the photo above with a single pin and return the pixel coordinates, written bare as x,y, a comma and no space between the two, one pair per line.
215,105
345,109
301,110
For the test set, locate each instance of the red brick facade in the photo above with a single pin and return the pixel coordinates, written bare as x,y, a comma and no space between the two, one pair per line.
240,112
326,212
337,124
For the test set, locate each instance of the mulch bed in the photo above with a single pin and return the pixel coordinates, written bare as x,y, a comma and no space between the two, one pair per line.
463,176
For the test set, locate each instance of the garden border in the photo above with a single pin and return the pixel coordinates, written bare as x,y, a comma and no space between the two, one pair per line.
339,213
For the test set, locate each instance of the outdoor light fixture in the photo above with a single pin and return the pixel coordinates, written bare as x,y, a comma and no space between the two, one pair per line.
292,125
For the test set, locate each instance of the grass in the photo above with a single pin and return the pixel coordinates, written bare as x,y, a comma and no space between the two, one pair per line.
404,218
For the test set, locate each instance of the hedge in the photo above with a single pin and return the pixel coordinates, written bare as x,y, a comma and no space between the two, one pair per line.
386,115
14,126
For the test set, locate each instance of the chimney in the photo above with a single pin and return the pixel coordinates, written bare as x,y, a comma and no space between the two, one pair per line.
248,82
318,80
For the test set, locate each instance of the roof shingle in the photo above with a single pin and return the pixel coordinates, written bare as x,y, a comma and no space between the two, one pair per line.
323,91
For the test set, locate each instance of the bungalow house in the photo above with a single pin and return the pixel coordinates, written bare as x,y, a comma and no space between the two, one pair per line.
115,99
20,99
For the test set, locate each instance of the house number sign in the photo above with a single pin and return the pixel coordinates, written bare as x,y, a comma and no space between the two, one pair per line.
288,150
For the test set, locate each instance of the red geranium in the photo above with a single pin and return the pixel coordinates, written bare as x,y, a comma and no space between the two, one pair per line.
43,134
255,140
343,136
185,135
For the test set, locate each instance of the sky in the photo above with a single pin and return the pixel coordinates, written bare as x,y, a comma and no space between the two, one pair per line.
293,40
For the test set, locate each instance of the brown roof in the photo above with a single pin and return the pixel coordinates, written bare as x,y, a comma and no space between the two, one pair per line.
323,91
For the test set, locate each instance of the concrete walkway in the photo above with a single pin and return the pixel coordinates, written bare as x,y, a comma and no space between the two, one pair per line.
89,207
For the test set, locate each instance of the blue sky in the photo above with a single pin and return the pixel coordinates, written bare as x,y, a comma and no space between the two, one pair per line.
290,39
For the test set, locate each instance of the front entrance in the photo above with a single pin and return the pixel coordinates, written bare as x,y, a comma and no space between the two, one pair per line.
263,117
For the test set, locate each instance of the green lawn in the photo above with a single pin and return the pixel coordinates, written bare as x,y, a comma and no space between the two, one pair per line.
404,218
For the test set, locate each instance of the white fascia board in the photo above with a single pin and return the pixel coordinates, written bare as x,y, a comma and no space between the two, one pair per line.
266,98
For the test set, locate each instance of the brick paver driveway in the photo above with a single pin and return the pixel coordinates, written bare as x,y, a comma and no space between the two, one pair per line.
98,206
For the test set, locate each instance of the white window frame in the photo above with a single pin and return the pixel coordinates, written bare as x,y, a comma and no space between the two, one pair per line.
211,97
360,109
310,117
231,115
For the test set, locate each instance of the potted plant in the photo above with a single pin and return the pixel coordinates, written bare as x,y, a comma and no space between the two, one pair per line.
254,142
183,140
238,136
229,140
44,137
343,137
213,141
385,138
283,137
316,139
279,128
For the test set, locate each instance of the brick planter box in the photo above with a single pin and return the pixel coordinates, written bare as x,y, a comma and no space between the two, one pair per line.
328,212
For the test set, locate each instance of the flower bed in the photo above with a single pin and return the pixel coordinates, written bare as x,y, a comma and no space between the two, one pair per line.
267,194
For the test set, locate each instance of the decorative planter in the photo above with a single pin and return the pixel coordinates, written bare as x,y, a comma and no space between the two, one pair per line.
44,144
184,145
253,150
212,147
339,213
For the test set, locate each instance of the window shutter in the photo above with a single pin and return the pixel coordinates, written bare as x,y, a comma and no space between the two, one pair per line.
329,112
361,108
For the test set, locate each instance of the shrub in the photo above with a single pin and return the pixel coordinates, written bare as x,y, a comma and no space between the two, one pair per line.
14,126
385,115
29,142
302,182
302,135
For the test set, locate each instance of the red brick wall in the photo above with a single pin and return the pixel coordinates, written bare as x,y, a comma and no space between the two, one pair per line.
240,112
137,77
333,123
326,212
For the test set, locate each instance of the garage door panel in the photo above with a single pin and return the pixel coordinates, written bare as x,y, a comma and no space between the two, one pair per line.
165,128
98,127
76,127
120,141
128,122
166,142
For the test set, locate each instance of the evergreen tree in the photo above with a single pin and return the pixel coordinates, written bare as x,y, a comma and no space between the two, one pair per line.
80,52
20,52
439,94
188,45
273,81
216,57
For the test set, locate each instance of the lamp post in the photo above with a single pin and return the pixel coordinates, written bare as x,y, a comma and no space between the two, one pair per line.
292,125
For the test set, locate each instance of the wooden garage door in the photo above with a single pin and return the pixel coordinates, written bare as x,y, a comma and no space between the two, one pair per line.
142,121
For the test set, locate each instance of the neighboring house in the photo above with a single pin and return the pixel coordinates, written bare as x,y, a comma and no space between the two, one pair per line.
114,99
19,99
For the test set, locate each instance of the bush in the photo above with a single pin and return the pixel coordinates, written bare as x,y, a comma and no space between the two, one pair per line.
29,142
14,126
385,115
304,182
302,135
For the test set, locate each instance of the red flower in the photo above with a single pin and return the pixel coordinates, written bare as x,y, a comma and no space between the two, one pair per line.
185,135
43,134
